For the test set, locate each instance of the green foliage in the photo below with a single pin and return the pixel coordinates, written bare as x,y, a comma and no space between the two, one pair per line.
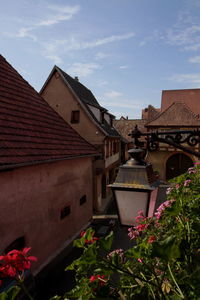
11,294
163,263
164,260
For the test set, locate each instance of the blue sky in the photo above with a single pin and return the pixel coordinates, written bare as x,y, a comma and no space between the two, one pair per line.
125,51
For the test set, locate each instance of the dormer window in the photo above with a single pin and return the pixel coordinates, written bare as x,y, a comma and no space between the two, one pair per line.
75,116
111,122
102,117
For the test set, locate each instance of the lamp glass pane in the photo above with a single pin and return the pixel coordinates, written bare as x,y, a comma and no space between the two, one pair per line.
129,203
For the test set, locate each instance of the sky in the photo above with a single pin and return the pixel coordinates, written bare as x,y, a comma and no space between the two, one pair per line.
125,51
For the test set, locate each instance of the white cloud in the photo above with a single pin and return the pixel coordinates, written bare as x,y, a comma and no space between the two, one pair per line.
110,39
186,78
195,59
71,44
113,94
185,36
70,10
101,55
102,82
55,58
185,32
123,67
82,69
64,13
25,32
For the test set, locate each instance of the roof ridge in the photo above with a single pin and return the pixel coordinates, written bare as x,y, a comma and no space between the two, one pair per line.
169,107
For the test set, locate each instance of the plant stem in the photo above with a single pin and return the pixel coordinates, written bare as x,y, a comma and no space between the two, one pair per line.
174,280
25,290
128,273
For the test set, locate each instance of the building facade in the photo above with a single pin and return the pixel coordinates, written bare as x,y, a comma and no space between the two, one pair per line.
76,104
180,110
45,173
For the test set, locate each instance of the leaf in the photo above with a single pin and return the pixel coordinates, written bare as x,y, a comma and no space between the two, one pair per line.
3,296
166,249
10,294
56,298
134,252
106,242
13,292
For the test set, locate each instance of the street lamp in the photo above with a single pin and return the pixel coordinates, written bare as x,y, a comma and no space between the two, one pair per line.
133,186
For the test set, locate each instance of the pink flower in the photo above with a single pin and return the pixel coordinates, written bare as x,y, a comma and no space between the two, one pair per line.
151,239
141,227
162,207
191,170
133,233
140,260
168,191
140,217
187,182
119,252
177,186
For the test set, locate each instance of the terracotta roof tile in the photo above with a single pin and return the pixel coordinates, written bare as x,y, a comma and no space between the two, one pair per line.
30,130
125,127
177,114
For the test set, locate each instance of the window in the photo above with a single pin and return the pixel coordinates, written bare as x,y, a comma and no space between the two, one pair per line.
75,116
83,200
65,212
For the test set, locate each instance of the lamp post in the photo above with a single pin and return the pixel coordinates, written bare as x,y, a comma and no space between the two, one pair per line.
133,186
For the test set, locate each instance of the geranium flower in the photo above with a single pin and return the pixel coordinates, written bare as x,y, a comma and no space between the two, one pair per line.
91,241
100,278
133,233
191,170
16,261
187,182
162,207
151,239
140,217
141,227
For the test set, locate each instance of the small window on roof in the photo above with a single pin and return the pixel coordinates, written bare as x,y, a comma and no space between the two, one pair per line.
75,116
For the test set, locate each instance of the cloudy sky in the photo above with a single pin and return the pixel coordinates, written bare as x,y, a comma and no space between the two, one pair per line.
125,51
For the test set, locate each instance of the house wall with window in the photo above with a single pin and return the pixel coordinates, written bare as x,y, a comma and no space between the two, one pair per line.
47,205
62,100
70,98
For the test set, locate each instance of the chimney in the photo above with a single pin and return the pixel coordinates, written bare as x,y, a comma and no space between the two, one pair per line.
76,78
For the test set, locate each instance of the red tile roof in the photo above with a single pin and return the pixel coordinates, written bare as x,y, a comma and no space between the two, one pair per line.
178,114
30,130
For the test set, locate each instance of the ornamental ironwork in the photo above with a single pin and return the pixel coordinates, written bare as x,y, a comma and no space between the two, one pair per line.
175,138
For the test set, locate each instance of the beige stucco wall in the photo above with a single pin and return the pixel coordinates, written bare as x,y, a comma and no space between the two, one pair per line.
158,160
31,201
62,100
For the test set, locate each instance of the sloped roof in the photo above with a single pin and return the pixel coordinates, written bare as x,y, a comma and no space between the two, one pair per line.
177,114
30,130
126,126
81,91
87,98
